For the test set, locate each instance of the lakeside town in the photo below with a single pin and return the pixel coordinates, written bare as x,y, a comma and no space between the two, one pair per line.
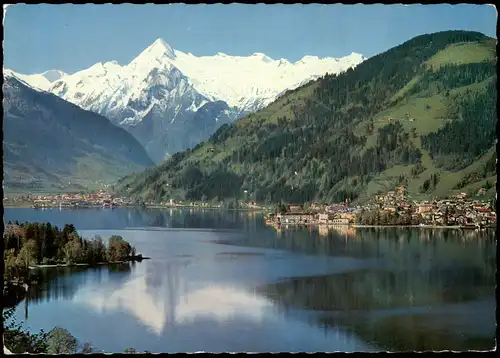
393,208
104,199
77,200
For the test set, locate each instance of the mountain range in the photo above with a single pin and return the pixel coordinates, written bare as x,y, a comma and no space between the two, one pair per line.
50,144
170,100
422,114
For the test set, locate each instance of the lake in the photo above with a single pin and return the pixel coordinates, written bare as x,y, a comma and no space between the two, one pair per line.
221,281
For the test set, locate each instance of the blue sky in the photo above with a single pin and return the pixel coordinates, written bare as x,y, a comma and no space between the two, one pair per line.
74,37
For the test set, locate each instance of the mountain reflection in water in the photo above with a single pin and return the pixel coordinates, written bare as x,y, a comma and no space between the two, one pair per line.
229,283
156,294
159,296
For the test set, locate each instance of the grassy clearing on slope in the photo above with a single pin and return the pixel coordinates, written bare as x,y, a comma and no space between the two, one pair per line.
475,87
387,180
426,119
429,114
414,184
424,115
448,179
219,156
462,53
401,93
203,152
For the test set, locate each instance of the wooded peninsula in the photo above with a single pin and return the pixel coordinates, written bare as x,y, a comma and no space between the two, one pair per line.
29,245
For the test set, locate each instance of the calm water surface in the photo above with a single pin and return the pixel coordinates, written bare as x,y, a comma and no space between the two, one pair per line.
222,281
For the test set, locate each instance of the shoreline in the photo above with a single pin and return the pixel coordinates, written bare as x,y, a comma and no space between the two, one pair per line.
201,207
30,206
413,226
88,265
11,206
356,226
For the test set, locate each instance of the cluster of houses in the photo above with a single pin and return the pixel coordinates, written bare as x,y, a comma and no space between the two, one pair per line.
456,211
171,203
104,199
99,199
204,204
16,200
333,214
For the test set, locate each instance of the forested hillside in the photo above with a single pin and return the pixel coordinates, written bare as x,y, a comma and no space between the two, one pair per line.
422,114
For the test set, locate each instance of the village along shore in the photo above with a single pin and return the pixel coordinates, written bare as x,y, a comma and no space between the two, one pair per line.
393,209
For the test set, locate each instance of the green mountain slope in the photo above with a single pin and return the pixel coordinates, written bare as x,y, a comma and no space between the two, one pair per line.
49,143
422,113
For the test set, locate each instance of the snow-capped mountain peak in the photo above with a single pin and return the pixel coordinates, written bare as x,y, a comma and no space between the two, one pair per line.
158,50
262,57
356,57
112,63
164,88
158,55
307,58
247,83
